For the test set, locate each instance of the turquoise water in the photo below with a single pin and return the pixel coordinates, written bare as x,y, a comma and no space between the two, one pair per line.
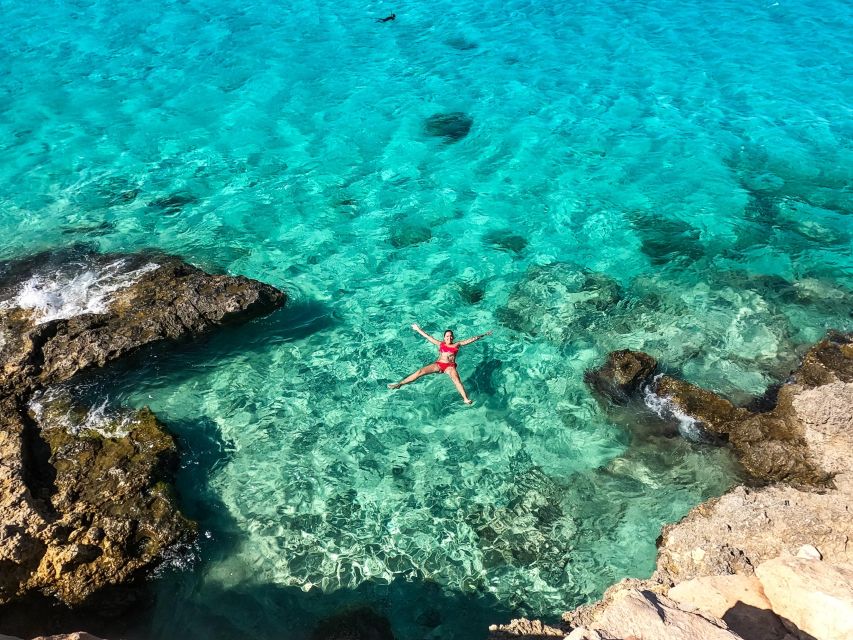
671,176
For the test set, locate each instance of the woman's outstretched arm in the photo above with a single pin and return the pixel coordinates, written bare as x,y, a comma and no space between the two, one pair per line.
462,343
417,328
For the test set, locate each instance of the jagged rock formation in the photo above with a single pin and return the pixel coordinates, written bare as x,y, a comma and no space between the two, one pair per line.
169,300
730,561
86,499
622,375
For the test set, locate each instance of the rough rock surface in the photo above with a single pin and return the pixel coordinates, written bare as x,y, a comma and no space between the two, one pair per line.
736,532
622,375
86,499
643,614
81,511
171,302
526,629
813,597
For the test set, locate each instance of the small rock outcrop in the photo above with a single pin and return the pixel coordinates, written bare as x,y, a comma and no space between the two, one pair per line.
772,443
622,375
86,495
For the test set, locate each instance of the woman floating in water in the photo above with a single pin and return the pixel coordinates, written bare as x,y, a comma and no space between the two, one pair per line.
446,363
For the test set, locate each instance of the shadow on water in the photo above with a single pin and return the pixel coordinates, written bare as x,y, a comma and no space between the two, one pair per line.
418,609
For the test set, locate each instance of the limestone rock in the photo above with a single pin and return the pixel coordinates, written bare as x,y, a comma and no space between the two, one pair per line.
622,375
643,614
588,615
524,629
744,527
808,552
815,597
738,600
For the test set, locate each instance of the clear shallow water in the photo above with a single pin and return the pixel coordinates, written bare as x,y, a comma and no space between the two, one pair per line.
674,177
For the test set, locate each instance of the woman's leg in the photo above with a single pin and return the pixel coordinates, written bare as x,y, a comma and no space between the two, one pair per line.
430,368
454,375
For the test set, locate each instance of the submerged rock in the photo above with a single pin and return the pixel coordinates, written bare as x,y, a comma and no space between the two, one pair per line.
507,241
408,235
451,126
172,204
560,302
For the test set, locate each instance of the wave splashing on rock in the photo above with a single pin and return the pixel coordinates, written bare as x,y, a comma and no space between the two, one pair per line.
664,408
74,290
103,420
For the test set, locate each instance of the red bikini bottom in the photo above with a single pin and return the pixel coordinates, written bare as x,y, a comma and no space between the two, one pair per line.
443,365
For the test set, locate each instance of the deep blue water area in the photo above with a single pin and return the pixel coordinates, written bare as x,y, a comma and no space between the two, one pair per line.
579,177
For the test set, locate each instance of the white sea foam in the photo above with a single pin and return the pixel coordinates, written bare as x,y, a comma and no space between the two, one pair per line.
107,422
665,408
63,294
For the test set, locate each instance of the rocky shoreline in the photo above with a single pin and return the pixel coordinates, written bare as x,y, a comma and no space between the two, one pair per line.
86,496
769,561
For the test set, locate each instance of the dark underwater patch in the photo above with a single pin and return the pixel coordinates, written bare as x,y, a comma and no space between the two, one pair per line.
665,240
408,235
172,204
506,240
461,44
451,126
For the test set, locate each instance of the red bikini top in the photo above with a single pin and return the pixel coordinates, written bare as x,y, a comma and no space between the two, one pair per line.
445,348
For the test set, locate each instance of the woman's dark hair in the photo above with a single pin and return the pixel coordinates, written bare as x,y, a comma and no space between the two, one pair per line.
449,330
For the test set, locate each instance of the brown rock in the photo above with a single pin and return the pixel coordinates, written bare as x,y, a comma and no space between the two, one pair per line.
622,375
86,508
815,597
172,301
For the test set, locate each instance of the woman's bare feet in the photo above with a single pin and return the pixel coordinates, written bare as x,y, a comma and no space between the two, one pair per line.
394,385
467,401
